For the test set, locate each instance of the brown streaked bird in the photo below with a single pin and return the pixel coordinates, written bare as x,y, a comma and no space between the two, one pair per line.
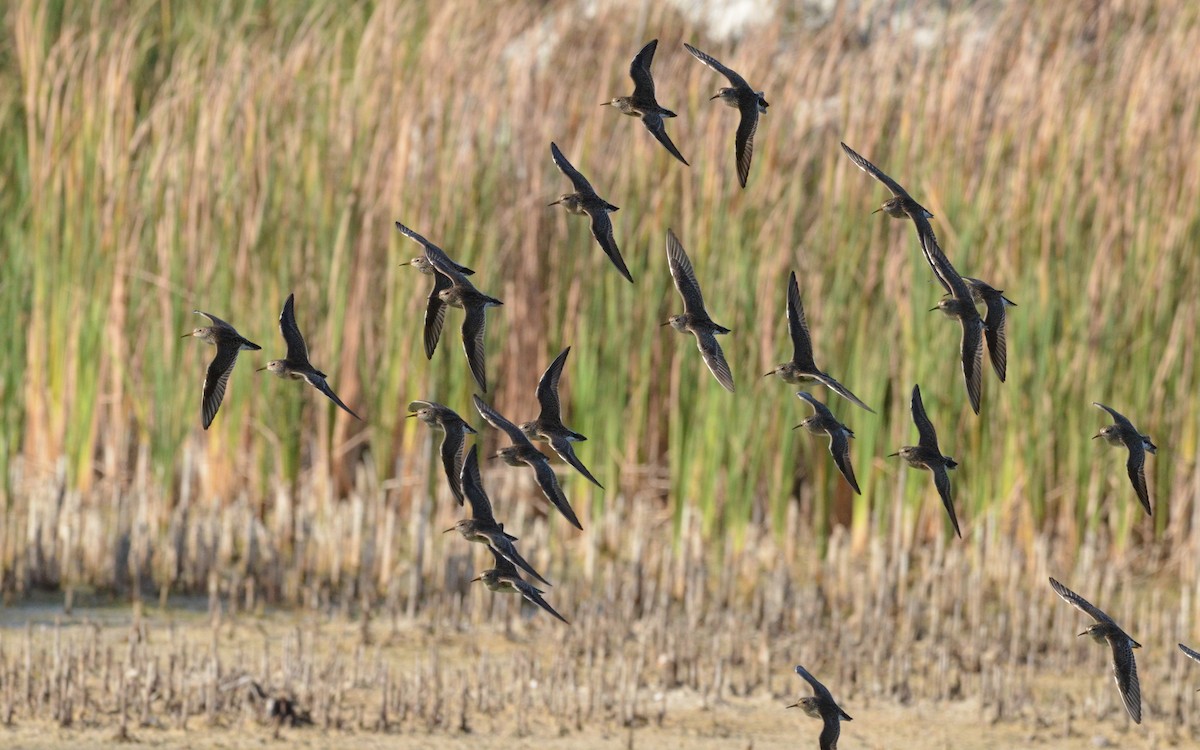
505,579
748,102
1103,629
823,421
585,201
454,440
643,104
821,705
481,527
928,456
549,425
901,205
960,305
995,322
1122,432
523,452
295,366
435,308
1193,655
695,319
228,342
277,708
801,367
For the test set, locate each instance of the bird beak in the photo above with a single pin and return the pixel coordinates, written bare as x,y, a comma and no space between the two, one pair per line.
795,427
877,210
410,416
1083,633
186,335
260,369
493,457
769,374
714,96
892,455
1095,436
555,203
476,578
660,325
794,705
605,104
447,531
932,309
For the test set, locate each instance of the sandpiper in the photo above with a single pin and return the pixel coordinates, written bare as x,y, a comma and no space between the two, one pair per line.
901,205
822,420
1193,655
821,705
960,305
642,103
928,456
801,366
549,425
995,322
1104,629
1122,432
504,578
481,527
455,431
228,342
522,452
748,102
435,309
694,319
296,365
585,201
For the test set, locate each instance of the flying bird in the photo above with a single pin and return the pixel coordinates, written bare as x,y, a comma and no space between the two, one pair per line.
522,452
504,578
821,705
454,439
995,322
960,305
585,201
643,104
823,421
1193,655
801,367
228,342
694,319
549,425
1122,432
295,366
1103,629
928,456
749,104
481,527
901,205
435,309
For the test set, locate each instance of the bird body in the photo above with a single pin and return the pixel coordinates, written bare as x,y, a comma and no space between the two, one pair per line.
228,342
926,455
821,705
995,322
455,430
549,426
642,102
585,201
1122,432
748,102
296,366
822,421
504,578
695,319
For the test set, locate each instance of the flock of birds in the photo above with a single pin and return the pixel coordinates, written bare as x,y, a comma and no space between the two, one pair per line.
453,288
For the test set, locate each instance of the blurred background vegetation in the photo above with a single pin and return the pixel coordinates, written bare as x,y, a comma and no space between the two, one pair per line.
158,157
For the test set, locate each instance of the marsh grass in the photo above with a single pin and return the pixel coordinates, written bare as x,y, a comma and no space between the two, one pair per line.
162,157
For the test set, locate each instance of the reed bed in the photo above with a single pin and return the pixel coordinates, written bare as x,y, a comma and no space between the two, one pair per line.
160,157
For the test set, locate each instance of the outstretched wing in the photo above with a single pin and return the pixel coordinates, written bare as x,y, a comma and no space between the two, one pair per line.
1125,673
472,486
1136,466
297,352
941,480
497,420
802,350
710,61
639,71
216,379
602,230
997,338
743,143
928,435
474,324
452,460
707,343
563,448
548,481
321,385
839,446
874,171
684,276
654,123
547,390
577,179
1078,602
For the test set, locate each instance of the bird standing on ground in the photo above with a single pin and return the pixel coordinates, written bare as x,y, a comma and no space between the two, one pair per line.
585,201
695,319
643,104
928,456
1122,432
295,366
749,103
454,440
228,342
1105,630
549,425
821,705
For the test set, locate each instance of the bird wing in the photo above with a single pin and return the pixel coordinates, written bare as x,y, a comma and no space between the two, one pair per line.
504,545
997,338
533,595
548,481
1193,655
563,448
819,690
216,379
874,171
941,480
1136,466
321,385
972,358
654,123
435,314
474,323
602,230
802,350
841,390
684,276
928,435
297,352
577,179
707,343
817,406
1118,417
454,440
547,390
743,144
472,486
1078,602
503,566
710,61
1125,673
839,447
497,420
830,732
639,71
215,320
